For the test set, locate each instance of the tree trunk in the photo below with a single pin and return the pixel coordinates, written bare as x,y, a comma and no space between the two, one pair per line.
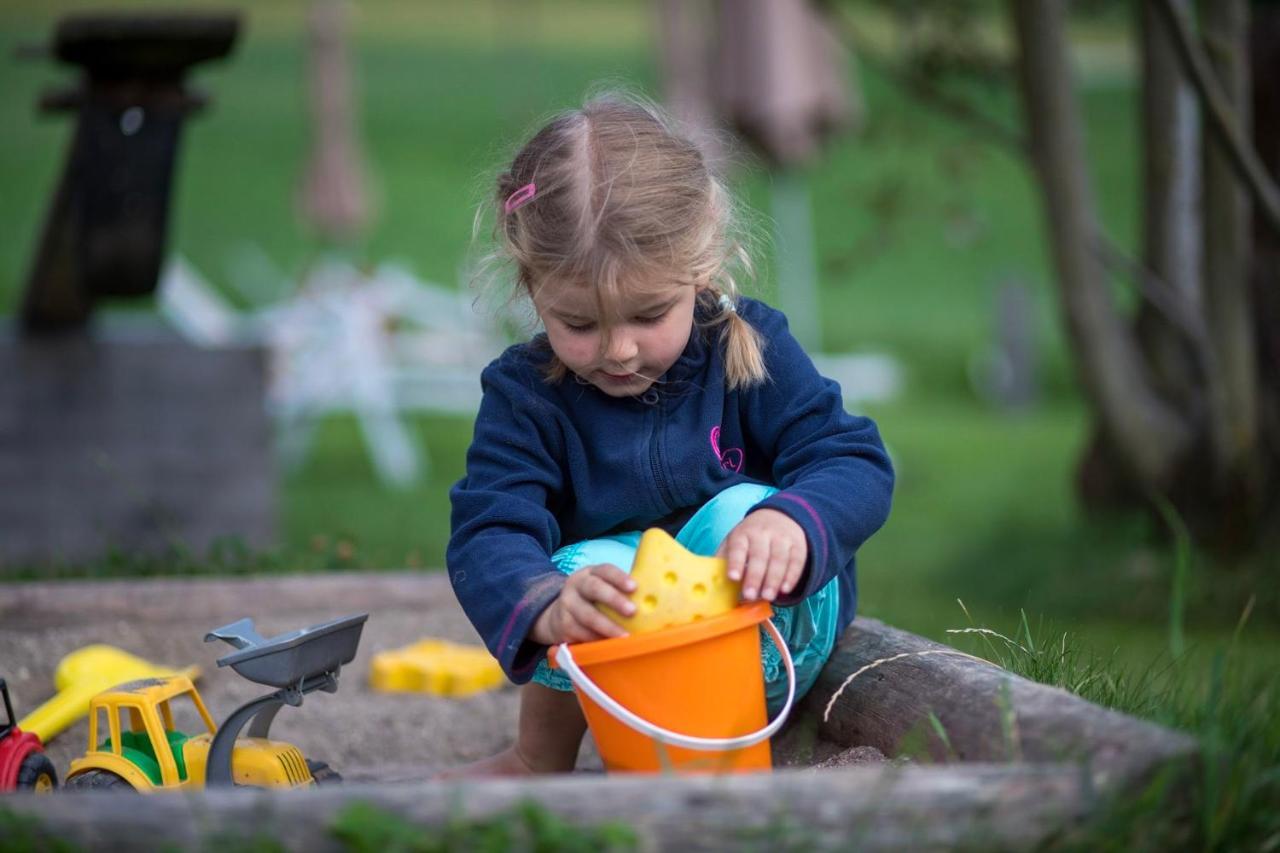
1148,435
333,198
1233,408
1264,54
685,34
1170,154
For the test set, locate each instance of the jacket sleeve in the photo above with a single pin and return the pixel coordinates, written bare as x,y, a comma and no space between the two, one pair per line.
833,472
503,530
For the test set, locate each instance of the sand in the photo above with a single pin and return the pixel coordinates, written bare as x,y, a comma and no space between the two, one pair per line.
365,735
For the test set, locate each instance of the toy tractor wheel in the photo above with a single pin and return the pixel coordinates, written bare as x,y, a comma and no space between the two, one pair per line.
323,773
37,774
98,780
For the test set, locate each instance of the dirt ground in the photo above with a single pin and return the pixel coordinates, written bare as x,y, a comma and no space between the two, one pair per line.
363,734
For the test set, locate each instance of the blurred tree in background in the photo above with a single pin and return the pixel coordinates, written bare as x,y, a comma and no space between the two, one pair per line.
1184,410
1180,372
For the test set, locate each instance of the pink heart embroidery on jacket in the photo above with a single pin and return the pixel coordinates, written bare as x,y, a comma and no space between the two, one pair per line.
731,458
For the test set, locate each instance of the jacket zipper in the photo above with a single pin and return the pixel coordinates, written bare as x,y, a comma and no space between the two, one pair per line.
655,459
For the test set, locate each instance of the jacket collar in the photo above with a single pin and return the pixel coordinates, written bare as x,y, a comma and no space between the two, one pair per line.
694,357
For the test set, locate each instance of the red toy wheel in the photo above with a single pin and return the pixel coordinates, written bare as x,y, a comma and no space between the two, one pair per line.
37,774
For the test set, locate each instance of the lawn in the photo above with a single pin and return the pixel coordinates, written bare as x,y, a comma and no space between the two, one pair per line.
917,226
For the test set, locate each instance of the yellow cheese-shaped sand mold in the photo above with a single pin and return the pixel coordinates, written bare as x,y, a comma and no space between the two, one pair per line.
437,667
674,586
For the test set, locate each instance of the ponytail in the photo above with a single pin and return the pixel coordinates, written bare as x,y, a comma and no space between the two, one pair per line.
743,346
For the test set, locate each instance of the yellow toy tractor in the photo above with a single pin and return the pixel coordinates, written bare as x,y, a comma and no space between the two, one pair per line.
133,742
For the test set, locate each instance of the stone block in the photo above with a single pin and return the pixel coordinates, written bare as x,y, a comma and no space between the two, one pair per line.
126,436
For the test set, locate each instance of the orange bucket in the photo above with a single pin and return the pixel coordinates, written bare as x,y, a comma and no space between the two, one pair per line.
688,699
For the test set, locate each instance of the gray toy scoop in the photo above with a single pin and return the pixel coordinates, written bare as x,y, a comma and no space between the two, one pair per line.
288,659
240,634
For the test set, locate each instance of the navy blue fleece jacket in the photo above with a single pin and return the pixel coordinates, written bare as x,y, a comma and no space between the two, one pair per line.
552,464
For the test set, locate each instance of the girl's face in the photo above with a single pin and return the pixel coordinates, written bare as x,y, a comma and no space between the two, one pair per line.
624,353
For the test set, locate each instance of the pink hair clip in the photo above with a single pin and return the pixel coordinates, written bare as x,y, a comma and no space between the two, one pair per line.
518,198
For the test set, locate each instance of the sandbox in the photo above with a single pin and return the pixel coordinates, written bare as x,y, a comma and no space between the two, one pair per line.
1022,765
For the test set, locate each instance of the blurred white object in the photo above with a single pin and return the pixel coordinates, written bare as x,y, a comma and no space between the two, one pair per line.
373,344
195,309
864,377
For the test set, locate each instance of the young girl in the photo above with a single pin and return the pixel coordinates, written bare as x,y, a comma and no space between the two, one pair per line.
657,396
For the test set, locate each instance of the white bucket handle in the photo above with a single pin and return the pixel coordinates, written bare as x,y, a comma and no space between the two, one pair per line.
564,660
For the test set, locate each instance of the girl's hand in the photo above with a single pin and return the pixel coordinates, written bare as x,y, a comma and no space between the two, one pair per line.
767,552
573,616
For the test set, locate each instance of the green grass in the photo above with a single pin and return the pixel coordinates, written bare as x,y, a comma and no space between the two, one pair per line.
23,833
364,828
1216,693
917,226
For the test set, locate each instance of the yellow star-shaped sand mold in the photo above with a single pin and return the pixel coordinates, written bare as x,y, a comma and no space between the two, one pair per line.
675,586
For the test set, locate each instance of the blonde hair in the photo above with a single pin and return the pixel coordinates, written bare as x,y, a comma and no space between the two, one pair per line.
625,199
